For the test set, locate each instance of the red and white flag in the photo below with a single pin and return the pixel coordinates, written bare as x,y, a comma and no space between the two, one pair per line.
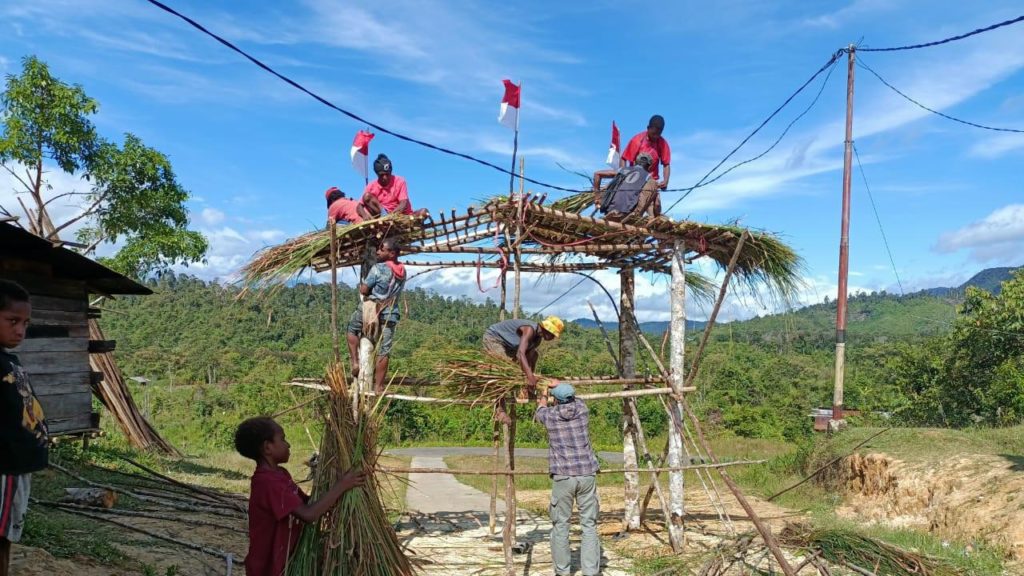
509,114
361,151
614,150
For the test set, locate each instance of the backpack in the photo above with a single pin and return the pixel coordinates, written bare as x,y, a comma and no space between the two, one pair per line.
623,192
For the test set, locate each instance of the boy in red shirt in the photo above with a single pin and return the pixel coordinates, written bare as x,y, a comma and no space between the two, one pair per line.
651,142
388,192
344,210
276,503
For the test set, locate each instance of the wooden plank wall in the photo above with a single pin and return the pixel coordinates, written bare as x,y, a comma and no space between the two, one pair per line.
56,352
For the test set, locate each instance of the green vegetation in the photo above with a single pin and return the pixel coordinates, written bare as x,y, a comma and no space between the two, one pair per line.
134,199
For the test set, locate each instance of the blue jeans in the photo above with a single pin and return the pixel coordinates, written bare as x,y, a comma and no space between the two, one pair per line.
564,490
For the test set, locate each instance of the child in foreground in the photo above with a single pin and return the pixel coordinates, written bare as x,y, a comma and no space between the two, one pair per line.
276,503
23,433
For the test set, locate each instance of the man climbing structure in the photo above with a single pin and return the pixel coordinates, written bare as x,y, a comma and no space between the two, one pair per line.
388,193
518,340
381,287
344,210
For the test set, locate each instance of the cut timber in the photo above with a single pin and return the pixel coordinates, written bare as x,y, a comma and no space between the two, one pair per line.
627,369
114,394
100,497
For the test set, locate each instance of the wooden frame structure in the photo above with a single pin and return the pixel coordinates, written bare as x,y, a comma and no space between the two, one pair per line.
504,230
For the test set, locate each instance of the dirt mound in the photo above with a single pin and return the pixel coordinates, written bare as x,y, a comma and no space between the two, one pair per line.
968,498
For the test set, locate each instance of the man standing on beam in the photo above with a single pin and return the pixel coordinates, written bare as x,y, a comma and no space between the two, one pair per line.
518,340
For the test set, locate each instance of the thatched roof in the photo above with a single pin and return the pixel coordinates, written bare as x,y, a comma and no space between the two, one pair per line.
483,235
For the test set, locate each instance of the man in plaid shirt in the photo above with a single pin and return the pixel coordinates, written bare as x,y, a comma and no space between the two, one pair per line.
573,469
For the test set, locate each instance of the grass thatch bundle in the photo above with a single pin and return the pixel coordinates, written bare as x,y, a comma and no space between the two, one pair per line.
845,547
355,538
275,265
475,375
575,203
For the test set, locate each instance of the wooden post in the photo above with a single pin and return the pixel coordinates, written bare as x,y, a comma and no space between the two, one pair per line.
335,343
627,369
509,530
676,379
844,252
492,517
518,256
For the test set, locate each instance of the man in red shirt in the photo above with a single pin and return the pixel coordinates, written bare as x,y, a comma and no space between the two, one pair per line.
344,210
388,192
651,142
277,506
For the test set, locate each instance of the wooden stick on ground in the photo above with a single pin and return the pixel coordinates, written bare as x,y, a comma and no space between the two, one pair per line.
189,545
830,463
220,498
392,470
180,518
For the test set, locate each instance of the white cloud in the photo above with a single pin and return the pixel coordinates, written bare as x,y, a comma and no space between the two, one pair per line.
998,236
211,216
996,146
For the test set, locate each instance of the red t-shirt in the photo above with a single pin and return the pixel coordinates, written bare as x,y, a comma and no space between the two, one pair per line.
344,209
390,196
273,531
660,152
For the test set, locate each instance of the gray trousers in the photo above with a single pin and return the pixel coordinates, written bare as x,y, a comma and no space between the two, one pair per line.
564,490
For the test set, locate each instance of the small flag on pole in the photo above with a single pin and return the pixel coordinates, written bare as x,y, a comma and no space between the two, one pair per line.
509,114
361,151
613,150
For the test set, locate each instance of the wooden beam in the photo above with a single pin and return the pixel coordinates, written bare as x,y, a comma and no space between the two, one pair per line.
676,369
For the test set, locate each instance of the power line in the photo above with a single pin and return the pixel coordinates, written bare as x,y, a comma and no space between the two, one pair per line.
933,111
351,115
826,66
878,219
774,144
945,40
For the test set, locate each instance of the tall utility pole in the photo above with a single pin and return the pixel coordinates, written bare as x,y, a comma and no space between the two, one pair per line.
844,247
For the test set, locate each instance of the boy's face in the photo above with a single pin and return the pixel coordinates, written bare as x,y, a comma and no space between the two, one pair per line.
385,253
384,178
13,323
277,450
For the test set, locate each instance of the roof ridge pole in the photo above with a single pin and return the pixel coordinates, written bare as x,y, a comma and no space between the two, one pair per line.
677,369
837,421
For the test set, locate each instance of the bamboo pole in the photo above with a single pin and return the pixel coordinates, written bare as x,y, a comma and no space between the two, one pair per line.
466,402
677,368
627,369
508,533
335,342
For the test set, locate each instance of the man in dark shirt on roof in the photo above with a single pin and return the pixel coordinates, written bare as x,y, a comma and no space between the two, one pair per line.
573,467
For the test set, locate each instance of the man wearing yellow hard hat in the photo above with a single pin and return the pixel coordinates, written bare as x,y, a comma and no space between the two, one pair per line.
518,341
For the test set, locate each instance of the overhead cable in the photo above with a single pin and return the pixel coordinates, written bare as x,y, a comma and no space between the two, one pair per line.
351,115
945,40
933,111
885,240
701,182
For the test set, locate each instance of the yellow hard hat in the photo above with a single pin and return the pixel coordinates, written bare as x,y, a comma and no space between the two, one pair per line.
554,325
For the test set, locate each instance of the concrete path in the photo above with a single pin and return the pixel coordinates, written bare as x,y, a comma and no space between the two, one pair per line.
432,493
443,451
446,530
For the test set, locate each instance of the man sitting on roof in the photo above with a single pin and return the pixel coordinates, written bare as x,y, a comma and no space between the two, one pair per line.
344,210
518,340
388,193
632,192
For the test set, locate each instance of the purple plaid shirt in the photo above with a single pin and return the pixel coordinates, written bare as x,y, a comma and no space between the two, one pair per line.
569,452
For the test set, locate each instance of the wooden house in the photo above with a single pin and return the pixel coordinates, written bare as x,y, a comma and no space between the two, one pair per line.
56,351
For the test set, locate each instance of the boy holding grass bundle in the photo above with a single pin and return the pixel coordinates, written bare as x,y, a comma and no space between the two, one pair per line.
23,431
276,503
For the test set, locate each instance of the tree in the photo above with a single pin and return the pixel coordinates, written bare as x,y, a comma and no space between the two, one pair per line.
134,198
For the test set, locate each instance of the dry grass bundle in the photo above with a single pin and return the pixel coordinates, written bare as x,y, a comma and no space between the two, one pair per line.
275,265
355,538
576,203
473,375
848,548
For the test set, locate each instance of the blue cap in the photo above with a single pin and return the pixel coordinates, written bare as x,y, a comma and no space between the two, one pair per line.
563,393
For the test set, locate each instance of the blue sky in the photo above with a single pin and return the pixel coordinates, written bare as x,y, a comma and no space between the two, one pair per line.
257,154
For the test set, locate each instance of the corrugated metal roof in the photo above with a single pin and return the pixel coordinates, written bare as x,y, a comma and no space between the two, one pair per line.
18,243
